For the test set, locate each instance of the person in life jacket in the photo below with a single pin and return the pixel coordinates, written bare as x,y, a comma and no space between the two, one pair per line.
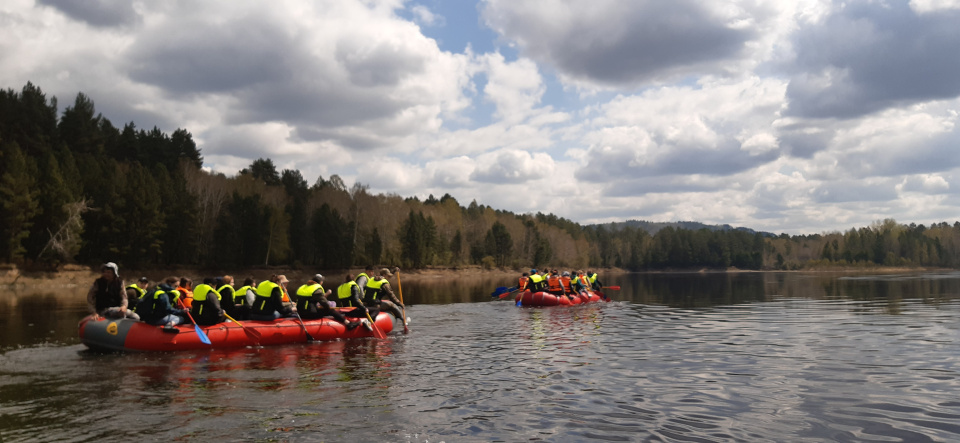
136,290
268,305
579,282
243,298
312,302
522,282
362,279
206,308
107,297
227,295
156,307
349,295
595,283
186,292
535,283
379,295
554,286
565,282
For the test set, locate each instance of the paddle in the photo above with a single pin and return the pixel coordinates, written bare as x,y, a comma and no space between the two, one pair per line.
251,332
376,329
612,288
303,326
196,327
506,294
283,291
403,309
501,290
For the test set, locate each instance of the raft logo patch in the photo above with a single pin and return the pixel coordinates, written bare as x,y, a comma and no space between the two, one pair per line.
112,328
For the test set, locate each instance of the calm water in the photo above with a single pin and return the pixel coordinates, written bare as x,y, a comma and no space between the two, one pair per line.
684,357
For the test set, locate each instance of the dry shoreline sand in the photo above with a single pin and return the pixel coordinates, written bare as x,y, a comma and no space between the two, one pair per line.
77,275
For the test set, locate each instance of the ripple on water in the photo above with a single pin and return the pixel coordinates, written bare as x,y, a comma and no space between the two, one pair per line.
782,369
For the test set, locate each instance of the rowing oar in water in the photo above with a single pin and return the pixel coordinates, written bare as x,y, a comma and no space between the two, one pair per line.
196,327
283,292
376,329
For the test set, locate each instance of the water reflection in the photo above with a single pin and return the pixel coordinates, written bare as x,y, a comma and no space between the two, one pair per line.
704,290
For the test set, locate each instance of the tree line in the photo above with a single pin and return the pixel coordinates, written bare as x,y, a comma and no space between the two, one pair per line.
76,188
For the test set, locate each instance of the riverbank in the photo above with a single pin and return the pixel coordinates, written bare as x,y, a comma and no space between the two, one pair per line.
78,275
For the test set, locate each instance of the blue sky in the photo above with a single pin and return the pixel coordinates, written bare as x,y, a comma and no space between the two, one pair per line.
803,116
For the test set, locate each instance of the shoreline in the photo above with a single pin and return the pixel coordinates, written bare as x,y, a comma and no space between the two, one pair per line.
75,275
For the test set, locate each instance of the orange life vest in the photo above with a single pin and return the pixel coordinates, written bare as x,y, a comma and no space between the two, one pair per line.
553,284
565,281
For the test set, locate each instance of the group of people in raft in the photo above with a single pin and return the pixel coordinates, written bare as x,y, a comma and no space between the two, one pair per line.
559,284
175,300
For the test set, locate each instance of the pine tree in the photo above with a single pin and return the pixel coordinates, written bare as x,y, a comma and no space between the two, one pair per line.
18,201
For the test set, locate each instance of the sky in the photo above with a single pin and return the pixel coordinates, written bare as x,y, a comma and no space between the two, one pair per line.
798,117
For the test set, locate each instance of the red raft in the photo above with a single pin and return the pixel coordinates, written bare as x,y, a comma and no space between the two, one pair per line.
528,298
134,336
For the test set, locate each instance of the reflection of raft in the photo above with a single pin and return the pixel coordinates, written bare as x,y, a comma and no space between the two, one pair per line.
528,298
134,336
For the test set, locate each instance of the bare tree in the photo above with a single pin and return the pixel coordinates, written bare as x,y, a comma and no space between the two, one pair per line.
66,241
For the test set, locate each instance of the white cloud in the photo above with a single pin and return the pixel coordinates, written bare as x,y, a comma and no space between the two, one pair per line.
425,17
786,116
512,166
929,6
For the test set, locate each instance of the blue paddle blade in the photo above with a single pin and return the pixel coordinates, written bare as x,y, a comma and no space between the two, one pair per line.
499,291
200,333
519,300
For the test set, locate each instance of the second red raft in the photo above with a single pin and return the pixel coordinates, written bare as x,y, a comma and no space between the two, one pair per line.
528,298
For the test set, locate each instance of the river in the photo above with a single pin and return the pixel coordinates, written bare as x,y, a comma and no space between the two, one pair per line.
718,357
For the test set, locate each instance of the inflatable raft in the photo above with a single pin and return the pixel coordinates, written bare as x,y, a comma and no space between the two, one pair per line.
127,335
528,298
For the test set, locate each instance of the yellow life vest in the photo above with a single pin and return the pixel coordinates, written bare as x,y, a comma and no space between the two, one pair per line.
344,293
264,292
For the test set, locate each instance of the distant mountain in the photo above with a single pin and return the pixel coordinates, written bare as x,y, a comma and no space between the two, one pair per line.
653,227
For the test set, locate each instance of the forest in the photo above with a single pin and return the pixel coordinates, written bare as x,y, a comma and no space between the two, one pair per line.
75,188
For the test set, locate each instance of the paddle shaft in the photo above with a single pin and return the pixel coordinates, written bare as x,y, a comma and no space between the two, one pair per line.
376,329
403,307
254,333
505,294
283,291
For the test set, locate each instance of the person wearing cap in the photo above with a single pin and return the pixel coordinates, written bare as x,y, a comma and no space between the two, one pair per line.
535,283
379,295
107,297
136,290
312,302
206,309
268,305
